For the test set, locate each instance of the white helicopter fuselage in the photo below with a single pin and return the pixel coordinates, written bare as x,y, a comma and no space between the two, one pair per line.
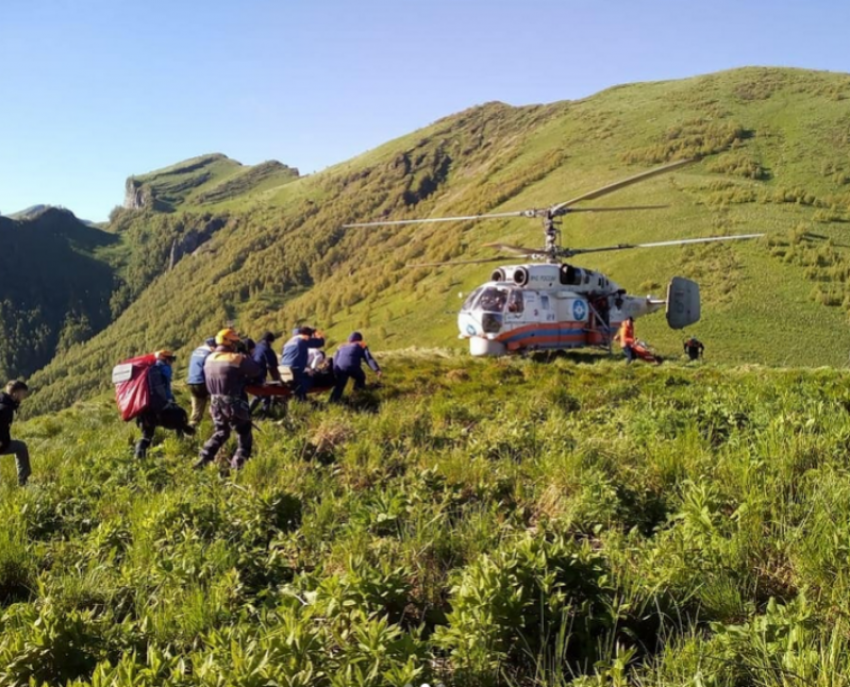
546,306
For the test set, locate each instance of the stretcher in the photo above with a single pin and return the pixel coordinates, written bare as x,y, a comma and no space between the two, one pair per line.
283,390
643,351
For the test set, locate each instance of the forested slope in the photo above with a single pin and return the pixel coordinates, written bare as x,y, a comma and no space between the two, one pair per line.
775,145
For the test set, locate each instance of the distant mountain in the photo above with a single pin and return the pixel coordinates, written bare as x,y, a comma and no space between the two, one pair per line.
209,241
35,210
203,180
55,290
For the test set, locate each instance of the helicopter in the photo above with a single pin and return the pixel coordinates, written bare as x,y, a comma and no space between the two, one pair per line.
549,303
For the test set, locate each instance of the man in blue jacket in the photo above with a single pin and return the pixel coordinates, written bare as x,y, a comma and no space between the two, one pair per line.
197,382
264,356
294,356
348,361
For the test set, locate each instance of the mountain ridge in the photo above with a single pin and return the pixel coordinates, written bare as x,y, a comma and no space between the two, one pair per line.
773,142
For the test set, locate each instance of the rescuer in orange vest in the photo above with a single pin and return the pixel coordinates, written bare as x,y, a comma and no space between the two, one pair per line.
626,337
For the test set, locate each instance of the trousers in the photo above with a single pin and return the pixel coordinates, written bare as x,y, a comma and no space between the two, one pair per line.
342,377
229,415
171,417
200,398
22,459
302,382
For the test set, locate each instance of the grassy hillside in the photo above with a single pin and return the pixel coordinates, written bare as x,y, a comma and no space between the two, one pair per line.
205,179
55,289
775,144
472,522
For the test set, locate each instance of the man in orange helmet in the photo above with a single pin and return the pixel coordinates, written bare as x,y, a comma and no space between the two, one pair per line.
162,410
227,372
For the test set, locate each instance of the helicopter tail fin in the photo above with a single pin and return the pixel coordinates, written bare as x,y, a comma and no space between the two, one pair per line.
683,304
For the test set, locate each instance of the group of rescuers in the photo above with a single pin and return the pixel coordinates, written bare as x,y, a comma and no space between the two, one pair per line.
223,367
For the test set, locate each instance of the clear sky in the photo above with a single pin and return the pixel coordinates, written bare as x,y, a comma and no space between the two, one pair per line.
92,91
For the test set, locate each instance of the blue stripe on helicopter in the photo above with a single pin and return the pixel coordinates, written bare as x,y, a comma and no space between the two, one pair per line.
542,332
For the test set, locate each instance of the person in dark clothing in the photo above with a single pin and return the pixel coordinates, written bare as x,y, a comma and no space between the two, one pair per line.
694,348
294,357
10,400
264,357
227,373
348,361
197,382
162,410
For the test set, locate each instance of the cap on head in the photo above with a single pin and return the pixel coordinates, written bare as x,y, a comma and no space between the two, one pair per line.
268,337
355,337
15,385
210,342
227,337
165,355
305,331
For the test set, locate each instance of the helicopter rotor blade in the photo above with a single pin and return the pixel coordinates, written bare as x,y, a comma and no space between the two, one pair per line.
518,250
617,185
661,244
622,208
482,261
464,218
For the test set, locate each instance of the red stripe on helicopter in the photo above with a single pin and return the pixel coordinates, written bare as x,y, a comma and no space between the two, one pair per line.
545,333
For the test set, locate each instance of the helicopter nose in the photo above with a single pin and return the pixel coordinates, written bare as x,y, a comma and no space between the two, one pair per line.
468,326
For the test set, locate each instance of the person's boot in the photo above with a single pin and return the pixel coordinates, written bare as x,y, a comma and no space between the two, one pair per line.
201,463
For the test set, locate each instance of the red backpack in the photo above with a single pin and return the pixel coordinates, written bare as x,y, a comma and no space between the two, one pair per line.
132,393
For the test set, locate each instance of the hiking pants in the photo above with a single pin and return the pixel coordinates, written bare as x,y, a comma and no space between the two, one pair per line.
229,415
342,377
200,398
629,352
22,459
147,423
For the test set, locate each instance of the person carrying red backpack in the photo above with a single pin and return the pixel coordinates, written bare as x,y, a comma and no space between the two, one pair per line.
162,409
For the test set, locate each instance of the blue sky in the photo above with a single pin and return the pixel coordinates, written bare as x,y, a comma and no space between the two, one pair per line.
92,91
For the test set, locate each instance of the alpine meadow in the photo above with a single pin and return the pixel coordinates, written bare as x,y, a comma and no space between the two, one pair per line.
532,521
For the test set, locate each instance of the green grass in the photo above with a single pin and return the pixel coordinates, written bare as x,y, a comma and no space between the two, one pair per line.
512,522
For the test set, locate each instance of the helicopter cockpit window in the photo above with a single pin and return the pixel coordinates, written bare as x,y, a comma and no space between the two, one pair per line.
515,303
492,300
470,300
